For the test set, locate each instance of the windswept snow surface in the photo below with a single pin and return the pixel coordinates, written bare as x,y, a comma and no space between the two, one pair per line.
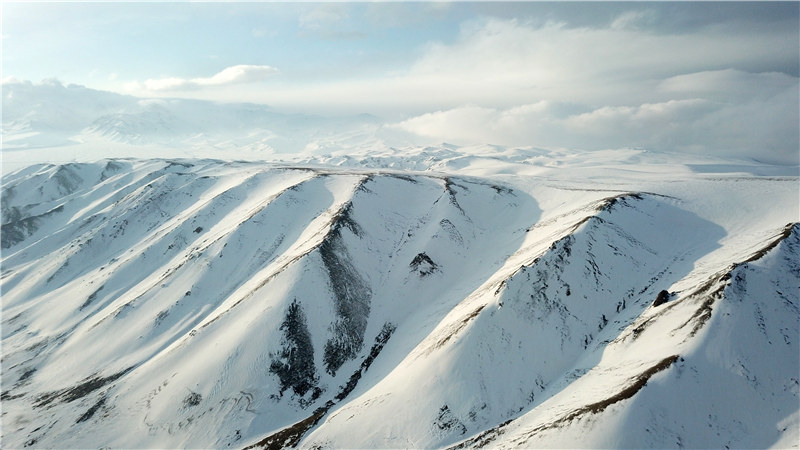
415,298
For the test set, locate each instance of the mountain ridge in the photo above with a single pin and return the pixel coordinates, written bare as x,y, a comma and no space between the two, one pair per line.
267,304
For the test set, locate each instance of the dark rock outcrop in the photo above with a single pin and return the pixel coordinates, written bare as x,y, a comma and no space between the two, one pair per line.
352,297
294,364
423,264
663,297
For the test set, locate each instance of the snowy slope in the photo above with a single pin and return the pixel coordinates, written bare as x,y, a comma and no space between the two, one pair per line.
414,298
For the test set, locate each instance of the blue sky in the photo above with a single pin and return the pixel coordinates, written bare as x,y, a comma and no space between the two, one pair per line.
104,45
688,76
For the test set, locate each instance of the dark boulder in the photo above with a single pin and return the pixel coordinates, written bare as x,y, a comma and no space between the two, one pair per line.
663,297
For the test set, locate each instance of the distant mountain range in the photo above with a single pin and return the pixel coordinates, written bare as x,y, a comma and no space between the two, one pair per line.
53,115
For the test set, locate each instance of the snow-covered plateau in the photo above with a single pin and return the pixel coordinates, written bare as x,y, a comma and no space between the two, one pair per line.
438,297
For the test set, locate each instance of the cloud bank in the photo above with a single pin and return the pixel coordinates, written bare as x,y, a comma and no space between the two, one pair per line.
239,74
757,119
693,77
593,88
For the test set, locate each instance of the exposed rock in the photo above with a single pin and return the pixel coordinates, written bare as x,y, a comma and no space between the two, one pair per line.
294,364
663,297
423,264
351,300
19,228
192,399
81,390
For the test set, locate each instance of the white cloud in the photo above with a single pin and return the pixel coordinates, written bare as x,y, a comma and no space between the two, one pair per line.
322,17
518,126
516,83
632,20
512,62
728,85
229,76
329,21
764,129
505,63
623,88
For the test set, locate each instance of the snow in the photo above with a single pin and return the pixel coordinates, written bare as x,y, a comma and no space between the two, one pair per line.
143,300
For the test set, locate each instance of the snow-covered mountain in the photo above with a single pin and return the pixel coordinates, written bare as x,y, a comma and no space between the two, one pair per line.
426,297
48,120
